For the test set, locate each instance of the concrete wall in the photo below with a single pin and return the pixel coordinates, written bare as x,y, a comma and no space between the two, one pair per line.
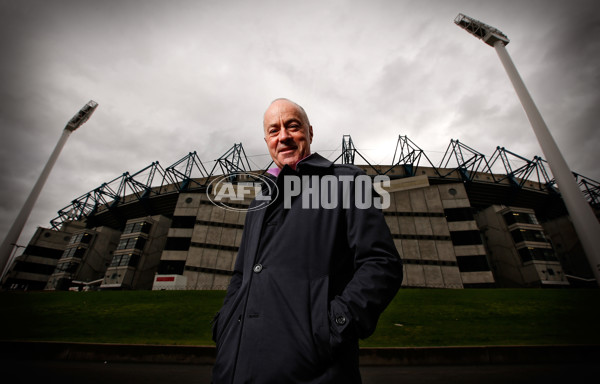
93,263
508,267
415,217
43,250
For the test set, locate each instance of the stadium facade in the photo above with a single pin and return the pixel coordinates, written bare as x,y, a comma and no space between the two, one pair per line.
456,225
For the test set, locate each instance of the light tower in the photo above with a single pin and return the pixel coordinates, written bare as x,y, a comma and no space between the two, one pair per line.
15,230
585,222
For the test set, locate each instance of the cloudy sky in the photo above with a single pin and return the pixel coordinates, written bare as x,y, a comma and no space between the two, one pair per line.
173,77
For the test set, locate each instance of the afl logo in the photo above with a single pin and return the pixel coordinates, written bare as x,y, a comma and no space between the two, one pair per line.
229,191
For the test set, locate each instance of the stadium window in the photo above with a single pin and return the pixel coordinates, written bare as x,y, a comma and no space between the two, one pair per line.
124,260
86,238
145,227
519,217
541,254
81,238
458,214
183,222
122,244
116,260
517,236
178,244
466,237
521,234
128,228
128,259
42,269
472,263
509,218
68,267
137,227
139,244
78,252
68,253
131,243
51,253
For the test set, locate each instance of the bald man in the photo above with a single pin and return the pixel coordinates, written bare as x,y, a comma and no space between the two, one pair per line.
310,279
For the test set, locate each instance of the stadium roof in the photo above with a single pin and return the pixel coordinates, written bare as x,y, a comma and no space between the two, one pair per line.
154,189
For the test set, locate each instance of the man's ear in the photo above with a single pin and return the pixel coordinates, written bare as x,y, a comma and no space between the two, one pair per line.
311,132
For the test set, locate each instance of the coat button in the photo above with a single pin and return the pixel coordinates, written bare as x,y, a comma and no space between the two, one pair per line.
340,320
257,268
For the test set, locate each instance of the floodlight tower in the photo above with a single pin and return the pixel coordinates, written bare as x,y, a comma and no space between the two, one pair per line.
584,220
15,230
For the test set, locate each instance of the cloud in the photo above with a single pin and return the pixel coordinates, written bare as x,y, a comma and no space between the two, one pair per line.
181,76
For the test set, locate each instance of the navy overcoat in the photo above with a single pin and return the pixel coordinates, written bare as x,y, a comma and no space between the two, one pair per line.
307,284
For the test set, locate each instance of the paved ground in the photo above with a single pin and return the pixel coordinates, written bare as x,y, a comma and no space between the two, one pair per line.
85,372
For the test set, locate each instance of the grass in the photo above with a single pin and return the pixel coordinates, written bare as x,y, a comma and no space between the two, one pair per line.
489,317
139,317
416,317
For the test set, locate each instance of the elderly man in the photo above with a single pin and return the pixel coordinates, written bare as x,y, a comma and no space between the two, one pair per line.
308,281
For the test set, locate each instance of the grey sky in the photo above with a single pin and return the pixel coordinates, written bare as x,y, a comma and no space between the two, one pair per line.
172,77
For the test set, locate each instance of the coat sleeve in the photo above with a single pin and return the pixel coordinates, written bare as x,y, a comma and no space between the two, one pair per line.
376,279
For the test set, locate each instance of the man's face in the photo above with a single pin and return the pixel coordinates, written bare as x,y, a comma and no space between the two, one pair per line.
287,133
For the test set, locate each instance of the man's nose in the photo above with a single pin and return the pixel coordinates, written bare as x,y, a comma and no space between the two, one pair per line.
284,134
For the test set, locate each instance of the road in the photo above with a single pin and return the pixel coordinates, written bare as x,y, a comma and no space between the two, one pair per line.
86,372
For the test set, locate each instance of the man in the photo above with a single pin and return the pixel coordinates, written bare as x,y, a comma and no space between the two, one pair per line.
308,281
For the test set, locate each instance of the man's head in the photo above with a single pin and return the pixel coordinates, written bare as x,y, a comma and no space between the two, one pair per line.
288,132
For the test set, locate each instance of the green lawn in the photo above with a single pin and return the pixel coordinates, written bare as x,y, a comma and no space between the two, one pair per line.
416,317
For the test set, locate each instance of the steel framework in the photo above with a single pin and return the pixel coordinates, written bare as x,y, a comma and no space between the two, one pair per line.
186,174
407,153
468,160
189,173
519,176
409,156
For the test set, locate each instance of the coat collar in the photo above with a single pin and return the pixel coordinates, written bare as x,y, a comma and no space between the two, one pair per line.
313,160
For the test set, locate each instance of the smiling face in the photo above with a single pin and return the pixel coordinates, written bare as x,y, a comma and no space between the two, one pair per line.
287,132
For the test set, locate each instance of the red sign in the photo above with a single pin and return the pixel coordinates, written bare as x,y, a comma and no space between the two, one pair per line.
165,278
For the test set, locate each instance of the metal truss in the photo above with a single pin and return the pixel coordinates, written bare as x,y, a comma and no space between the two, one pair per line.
189,173
531,170
185,173
348,150
232,162
349,153
468,160
590,189
408,156
127,186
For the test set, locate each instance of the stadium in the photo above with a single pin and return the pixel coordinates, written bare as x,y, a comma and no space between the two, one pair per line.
470,221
